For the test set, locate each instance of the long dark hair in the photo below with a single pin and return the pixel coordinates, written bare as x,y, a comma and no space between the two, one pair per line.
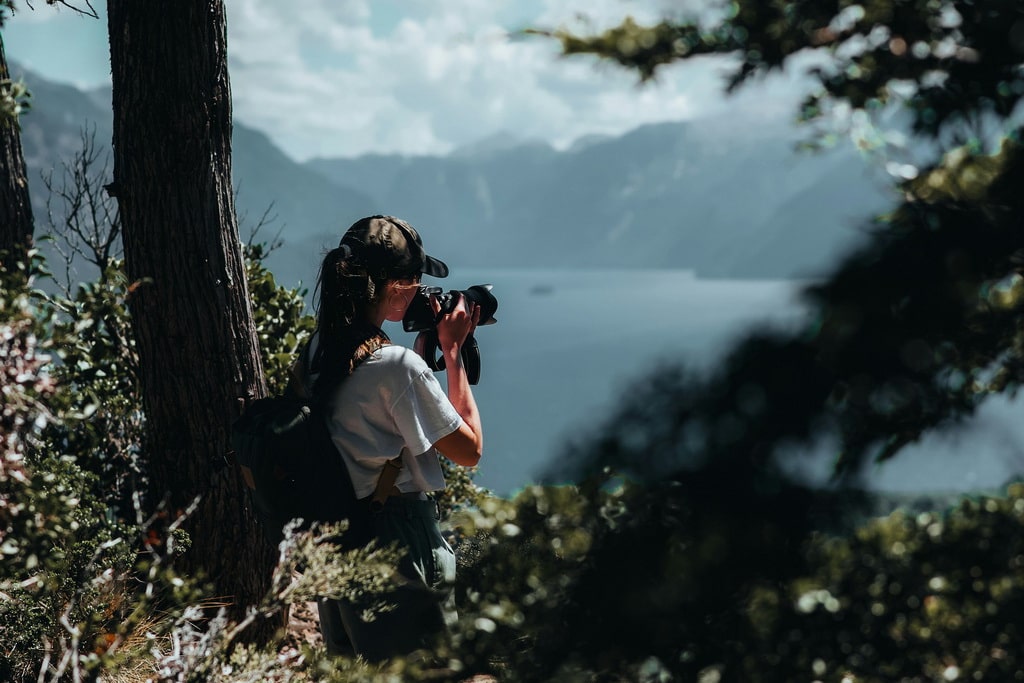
344,294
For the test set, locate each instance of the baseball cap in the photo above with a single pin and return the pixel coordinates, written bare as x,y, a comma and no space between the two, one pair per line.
390,247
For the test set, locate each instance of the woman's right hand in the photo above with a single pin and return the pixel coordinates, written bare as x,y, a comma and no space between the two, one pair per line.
456,326
465,445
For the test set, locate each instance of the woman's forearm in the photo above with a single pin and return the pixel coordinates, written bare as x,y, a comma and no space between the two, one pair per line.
460,393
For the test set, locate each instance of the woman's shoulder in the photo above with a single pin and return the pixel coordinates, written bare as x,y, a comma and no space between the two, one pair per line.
396,356
392,370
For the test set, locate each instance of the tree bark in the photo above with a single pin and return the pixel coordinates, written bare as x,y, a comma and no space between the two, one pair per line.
16,222
198,349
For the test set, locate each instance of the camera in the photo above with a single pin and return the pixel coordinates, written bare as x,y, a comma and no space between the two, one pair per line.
420,317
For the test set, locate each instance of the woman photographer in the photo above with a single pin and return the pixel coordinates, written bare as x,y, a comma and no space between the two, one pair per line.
388,414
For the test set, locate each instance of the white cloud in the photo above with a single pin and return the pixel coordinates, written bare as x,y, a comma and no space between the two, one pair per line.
344,78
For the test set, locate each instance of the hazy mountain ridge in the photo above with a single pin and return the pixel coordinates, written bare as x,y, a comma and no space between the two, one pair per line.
51,132
723,200
300,204
671,195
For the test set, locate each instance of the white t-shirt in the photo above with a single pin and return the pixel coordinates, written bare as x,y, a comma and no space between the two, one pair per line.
392,404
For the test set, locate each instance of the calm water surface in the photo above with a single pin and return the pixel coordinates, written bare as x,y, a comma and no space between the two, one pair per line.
568,343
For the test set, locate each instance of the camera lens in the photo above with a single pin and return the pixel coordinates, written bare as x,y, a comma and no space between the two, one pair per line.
481,295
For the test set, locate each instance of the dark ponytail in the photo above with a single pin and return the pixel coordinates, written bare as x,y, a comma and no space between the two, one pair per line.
344,294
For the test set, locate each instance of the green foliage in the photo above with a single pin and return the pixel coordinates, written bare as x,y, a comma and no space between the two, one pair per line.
57,585
55,531
102,424
14,96
282,324
14,100
687,582
80,587
518,561
928,597
922,325
603,580
196,641
947,61
460,492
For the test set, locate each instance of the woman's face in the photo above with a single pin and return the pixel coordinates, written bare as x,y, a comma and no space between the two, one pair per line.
400,295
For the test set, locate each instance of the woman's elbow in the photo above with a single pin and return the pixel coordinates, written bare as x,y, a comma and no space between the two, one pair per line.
462,447
471,459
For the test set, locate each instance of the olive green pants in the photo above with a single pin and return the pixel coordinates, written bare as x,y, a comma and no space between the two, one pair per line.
423,597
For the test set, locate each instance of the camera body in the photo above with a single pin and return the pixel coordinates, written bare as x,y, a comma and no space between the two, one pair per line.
420,317
420,314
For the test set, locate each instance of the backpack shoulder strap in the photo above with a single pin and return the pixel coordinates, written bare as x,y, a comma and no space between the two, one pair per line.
298,385
389,474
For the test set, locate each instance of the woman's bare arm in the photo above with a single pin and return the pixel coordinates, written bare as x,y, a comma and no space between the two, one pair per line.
465,445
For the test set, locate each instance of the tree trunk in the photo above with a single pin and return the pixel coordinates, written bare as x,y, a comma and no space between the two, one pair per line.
15,206
198,350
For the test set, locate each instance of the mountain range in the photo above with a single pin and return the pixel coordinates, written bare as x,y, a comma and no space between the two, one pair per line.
726,198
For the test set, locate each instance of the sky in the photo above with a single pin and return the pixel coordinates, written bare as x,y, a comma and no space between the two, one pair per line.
341,78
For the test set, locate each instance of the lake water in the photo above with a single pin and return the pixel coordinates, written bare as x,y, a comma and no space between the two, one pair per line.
568,342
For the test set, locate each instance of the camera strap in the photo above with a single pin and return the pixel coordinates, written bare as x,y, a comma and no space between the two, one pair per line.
471,359
427,346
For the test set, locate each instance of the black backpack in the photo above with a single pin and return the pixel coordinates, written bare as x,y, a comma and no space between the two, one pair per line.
292,467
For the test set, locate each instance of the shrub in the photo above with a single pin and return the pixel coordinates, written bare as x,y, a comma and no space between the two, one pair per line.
55,531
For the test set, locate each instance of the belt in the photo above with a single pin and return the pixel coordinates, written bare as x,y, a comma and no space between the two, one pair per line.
377,502
410,495
386,486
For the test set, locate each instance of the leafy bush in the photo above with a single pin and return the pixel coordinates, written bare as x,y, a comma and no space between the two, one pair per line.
282,324
641,583
933,596
55,531
103,424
